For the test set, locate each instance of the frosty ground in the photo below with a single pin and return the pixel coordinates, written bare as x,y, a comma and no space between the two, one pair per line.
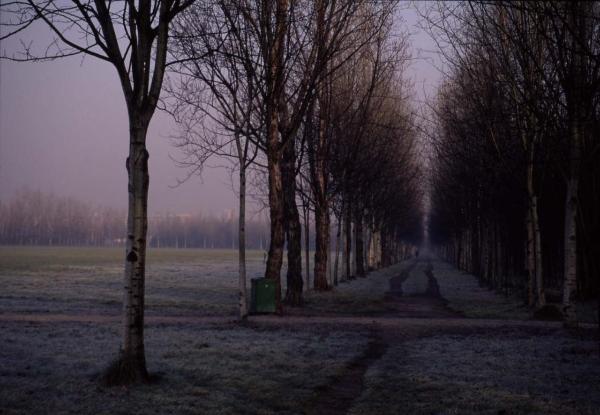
389,343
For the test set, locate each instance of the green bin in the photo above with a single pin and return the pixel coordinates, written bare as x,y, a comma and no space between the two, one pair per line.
263,296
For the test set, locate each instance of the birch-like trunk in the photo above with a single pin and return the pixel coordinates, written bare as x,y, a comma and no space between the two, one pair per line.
132,355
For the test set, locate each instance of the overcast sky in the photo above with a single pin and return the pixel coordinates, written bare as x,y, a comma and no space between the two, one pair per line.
63,129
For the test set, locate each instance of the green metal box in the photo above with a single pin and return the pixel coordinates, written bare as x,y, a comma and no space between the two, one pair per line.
262,296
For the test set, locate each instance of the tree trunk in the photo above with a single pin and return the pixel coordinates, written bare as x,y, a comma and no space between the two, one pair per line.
337,251
293,228
322,244
358,231
536,276
274,102
530,261
377,249
132,360
318,161
307,244
539,275
384,249
348,242
366,244
570,271
243,304
276,212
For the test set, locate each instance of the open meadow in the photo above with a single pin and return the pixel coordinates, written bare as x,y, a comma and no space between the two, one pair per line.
89,280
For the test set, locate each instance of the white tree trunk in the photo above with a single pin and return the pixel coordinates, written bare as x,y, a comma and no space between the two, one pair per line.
132,350
307,246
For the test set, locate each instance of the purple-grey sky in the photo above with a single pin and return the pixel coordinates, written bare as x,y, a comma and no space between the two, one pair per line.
63,129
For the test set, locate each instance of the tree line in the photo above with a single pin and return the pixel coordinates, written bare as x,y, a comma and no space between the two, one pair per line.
305,97
515,134
38,218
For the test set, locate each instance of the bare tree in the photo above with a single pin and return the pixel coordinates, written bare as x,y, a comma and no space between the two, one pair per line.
133,37
213,97
530,69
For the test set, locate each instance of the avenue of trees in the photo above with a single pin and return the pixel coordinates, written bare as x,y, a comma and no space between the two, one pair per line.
307,100
515,137
306,96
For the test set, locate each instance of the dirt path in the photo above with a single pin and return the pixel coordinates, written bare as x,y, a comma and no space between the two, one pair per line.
418,309
423,299
337,397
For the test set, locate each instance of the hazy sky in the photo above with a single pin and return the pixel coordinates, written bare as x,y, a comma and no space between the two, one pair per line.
63,129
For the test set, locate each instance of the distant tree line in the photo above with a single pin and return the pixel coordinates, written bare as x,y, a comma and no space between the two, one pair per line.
204,231
38,218
516,140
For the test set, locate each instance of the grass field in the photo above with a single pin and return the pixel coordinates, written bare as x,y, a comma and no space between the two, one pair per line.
229,369
489,358
67,280
42,258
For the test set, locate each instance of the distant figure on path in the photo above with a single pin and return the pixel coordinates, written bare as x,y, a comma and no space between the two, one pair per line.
417,253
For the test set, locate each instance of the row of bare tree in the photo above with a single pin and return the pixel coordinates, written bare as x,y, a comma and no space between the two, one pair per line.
37,218
307,94
516,170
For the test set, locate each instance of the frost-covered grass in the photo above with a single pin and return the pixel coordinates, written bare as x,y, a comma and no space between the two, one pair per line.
433,367
364,296
53,368
512,372
32,259
89,280
465,295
